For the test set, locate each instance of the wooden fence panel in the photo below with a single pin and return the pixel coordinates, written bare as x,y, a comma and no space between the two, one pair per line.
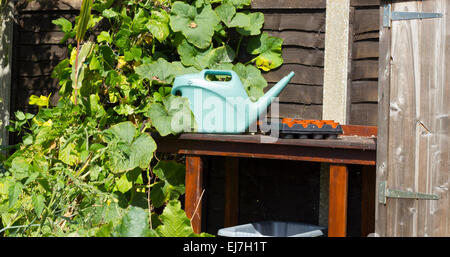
365,53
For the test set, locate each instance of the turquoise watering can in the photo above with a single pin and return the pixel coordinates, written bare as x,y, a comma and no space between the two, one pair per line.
223,106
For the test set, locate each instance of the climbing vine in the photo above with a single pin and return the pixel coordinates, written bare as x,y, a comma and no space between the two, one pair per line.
88,166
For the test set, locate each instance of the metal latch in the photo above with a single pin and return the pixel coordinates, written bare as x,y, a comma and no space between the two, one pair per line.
385,192
389,16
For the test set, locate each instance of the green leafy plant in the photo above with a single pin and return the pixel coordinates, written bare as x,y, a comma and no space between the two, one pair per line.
88,166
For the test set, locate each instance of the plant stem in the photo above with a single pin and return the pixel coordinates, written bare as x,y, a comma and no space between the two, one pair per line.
252,60
76,72
148,198
22,226
239,46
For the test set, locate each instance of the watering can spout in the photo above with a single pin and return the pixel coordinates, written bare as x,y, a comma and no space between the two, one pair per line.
268,97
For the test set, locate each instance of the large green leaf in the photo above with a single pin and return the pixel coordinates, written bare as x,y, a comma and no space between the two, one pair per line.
170,171
64,24
256,23
135,53
20,167
175,222
158,25
66,27
122,38
110,13
180,69
252,80
158,195
197,25
201,59
225,12
239,3
100,5
45,135
123,185
38,202
128,148
62,71
171,184
69,154
140,21
14,192
172,116
134,224
142,150
160,71
268,50
95,109
107,54
124,131
104,36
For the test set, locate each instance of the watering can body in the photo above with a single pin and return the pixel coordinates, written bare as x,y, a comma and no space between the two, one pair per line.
223,106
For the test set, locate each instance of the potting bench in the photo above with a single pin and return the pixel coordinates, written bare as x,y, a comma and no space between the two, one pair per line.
356,146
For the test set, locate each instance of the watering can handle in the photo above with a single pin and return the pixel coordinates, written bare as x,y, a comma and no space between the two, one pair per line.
232,74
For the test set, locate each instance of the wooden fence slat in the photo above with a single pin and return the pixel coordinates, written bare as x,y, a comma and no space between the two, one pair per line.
288,4
365,69
303,74
48,5
38,82
299,111
43,21
33,38
41,52
367,35
432,150
366,20
295,21
298,55
365,49
298,93
37,68
365,3
300,38
364,91
363,114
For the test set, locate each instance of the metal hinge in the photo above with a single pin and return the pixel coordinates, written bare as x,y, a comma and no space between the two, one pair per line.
390,16
385,192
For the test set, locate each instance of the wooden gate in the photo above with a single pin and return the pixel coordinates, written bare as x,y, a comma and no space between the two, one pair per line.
413,123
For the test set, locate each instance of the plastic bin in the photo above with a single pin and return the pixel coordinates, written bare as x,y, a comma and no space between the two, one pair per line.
273,229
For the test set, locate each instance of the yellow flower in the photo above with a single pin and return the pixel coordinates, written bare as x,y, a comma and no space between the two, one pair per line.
121,62
264,64
48,123
39,100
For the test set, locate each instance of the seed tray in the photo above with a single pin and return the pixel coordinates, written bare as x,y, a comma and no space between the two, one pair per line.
317,129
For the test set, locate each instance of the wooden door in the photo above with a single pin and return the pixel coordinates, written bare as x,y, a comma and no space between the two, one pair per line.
413,122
